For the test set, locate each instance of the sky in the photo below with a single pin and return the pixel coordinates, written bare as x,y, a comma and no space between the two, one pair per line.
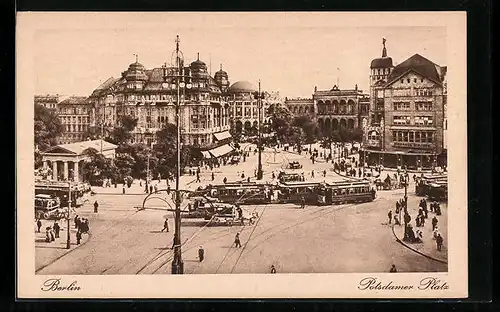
289,52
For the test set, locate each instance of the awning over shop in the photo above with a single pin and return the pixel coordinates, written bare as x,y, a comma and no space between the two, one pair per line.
221,150
206,154
222,135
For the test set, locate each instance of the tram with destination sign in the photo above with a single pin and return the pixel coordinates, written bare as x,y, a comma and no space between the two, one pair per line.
79,191
245,193
294,191
345,192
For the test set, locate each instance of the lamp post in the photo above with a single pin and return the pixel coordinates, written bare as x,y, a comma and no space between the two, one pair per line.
180,82
259,97
68,238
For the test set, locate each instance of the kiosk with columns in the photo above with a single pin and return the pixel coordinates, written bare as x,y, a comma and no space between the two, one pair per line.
65,160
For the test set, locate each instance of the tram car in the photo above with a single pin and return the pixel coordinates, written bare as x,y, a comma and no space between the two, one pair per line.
345,192
423,183
48,207
294,191
438,191
294,165
244,193
79,191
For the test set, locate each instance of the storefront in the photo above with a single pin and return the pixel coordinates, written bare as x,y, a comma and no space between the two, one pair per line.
408,160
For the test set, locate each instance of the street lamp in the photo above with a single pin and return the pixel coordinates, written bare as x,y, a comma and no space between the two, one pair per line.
180,82
259,96
68,238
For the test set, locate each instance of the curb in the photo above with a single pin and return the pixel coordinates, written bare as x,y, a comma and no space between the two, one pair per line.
64,254
415,250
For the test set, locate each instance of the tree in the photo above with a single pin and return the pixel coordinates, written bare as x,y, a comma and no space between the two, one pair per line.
280,120
121,134
48,127
309,127
98,167
124,163
166,150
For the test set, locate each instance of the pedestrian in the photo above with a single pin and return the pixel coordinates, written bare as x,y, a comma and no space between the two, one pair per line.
146,188
390,216
47,234
57,228
78,237
393,269
123,188
168,189
434,223
248,179
273,176
156,188
165,225
237,240
213,176
52,234
273,269
243,175
312,174
439,242
201,253
96,206
150,189
76,220
198,177
324,173
38,225
302,202
224,180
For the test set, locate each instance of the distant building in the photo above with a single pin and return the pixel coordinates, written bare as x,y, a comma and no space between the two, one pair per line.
244,109
338,108
407,113
75,115
300,106
48,101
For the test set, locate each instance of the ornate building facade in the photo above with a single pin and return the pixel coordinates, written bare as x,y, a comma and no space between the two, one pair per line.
301,106
75,115
337,108
150,96
244,108
406,124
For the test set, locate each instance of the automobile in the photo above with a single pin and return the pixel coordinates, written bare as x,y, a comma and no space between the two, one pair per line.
294,165
234,159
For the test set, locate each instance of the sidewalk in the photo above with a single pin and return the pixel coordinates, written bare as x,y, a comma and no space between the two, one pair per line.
47,253
428,246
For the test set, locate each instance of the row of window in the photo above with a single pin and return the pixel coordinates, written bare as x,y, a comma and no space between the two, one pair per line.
419,106
74,110
413,136
74,119
413,92
165,97
76,128
408,80
342,109
419,120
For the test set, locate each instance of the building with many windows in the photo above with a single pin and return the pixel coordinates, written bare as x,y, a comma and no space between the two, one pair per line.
244,107
301,106
74,113
338,108
49,101
406,124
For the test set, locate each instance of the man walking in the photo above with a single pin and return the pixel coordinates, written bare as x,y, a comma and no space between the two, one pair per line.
201,253
434,223
237,240
38,225
76,221
213,176
393,269
273,269
302,202
165,225
390,216
78,237
96,206
57,228
439,242
198,177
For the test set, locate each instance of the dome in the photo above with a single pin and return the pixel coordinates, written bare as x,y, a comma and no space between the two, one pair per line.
136,71
241,86
220,74
383,62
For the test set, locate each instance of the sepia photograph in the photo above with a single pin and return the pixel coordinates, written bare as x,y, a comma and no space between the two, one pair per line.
242,144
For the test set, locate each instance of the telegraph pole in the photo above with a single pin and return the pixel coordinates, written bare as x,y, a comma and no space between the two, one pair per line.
259,107
68,238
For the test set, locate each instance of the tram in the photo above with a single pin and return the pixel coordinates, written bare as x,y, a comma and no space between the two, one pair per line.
423,183
294,191
79,191
438,191
244,193
47,207
345,192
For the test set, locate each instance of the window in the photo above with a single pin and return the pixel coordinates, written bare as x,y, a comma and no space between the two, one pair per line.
421,79
423,120
415,80
402,81
423,106
408,80
401,120
398,106
430,137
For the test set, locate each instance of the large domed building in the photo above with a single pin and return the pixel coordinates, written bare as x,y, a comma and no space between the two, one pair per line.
244,110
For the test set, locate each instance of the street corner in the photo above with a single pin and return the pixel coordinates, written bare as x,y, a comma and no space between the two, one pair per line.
426,247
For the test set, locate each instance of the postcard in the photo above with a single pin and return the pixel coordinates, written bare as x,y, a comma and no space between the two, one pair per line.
241,155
